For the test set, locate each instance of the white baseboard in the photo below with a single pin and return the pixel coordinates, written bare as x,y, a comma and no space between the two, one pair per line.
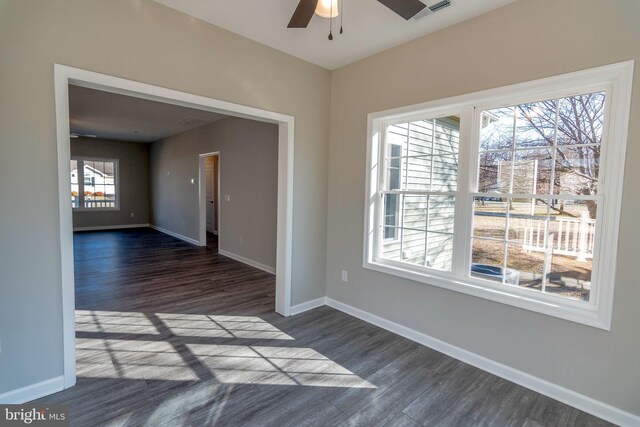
110,227
309,305
33,391
247,261
554,391
176,235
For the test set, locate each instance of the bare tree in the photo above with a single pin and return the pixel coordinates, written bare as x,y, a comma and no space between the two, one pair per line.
573,124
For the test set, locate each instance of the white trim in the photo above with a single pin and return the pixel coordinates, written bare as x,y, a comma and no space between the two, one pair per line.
174,234
554,391
308,305
110,227
33,391
202,197
616,80
284,245
65,75
247,261
61,81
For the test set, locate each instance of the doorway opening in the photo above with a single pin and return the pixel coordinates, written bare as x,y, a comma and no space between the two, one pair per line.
65,76
209,171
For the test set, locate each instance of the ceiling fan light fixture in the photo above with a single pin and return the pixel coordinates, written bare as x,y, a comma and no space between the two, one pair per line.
327,8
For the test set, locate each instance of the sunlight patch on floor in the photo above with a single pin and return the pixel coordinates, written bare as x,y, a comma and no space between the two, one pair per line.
188,347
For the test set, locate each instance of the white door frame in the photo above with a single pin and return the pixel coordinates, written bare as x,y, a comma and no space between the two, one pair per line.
65,75
202,197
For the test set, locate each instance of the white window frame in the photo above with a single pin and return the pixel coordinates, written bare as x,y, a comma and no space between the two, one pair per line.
396,238
616,81
81,184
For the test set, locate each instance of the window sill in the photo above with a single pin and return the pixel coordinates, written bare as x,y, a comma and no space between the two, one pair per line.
571,310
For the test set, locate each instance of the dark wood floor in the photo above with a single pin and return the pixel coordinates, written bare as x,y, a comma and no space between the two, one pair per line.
176,335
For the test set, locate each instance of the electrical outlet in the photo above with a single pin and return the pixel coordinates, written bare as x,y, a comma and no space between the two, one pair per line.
133,214
345,276
241,239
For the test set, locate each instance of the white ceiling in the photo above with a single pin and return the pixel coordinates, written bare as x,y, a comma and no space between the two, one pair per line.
369,26
120,117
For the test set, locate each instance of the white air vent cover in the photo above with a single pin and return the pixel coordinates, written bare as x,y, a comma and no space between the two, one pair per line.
436,7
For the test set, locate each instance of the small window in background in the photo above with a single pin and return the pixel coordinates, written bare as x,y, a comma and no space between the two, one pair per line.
94,184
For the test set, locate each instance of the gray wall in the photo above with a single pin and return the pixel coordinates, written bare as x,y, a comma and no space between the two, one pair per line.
520,42
147,42
248,174
133,185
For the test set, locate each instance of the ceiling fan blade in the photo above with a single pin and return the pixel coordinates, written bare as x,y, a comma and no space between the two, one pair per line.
405,8
303,14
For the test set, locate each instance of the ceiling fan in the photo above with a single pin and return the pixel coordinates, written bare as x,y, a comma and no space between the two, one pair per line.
305,9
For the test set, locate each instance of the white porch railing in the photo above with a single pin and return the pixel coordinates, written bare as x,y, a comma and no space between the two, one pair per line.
575,237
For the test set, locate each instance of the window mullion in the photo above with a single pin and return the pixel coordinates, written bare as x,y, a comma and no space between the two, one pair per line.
80,166
463,211
548,238
380,186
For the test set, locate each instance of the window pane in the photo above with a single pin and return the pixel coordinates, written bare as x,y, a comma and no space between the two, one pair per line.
570,277
441,213
439,251
524,267
425,234
494,172
487,259
109,196
572,236
413,246
394,167
415,212
444,173
420,138
532,171
391,214
581,119
423,155
535,124
489,217
447,135
418,173
577,170
99,179
391,246
496,130
528,222
397,135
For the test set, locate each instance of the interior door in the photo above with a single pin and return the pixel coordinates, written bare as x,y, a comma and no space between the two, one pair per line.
210,195
216,196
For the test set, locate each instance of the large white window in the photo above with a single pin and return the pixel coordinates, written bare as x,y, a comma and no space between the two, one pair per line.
510,194
94,184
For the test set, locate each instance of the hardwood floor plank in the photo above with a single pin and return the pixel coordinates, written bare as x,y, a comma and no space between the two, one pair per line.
171,334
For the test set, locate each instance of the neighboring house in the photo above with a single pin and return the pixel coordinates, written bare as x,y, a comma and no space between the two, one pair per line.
419,228
94,179
95,187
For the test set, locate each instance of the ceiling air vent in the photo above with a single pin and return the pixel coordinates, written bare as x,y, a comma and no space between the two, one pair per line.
433,8
440,5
